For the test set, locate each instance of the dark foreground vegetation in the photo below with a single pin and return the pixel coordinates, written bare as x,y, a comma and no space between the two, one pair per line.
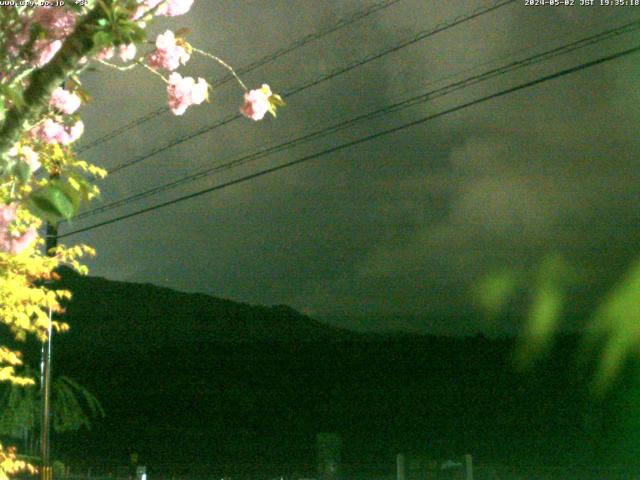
201,384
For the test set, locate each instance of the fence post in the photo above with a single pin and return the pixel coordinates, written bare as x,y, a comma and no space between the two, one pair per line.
468,463
329,447
400,467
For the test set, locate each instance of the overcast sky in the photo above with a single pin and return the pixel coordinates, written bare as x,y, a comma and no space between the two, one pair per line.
401,226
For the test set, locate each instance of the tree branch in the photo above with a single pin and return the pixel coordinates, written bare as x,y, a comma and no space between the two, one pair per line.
43,81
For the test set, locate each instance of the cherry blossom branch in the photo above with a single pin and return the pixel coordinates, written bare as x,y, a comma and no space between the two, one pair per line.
19,77
155,72
224,64
153,10
43,81
118,67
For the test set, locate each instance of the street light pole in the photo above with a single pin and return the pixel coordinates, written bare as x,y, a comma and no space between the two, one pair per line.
46,473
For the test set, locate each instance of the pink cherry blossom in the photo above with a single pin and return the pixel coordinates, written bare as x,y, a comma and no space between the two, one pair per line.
17,243
51,131
168,54
106,53
7,214
27,155
184,92
127,52
31,158
173,8
11,242
65,101
44,50
256,103
144,7
75,132
58,22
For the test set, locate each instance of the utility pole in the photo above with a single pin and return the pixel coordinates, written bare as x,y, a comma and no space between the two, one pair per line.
46,473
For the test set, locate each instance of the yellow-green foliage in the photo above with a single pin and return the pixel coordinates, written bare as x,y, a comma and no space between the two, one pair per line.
63,184
9,463
26,301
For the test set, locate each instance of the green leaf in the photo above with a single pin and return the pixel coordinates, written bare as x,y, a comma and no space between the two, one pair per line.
277,100
12,94
552,280
134,33
54,202
82,190
6,165
22,171
102,39
617,323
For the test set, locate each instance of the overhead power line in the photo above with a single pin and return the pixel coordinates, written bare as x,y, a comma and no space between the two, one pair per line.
323,78
301,42
412,101
361,140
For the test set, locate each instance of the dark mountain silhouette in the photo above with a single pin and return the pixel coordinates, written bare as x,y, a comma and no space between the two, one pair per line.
120,315
194,384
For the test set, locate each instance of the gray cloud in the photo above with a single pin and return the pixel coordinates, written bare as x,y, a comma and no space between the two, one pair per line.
402,225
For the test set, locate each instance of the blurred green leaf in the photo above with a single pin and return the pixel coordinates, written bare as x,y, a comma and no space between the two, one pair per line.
277,100
136,31
545,312
6,165
542,323
102,39
22,171
54,202
494,291
552,278
12,94
617,321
